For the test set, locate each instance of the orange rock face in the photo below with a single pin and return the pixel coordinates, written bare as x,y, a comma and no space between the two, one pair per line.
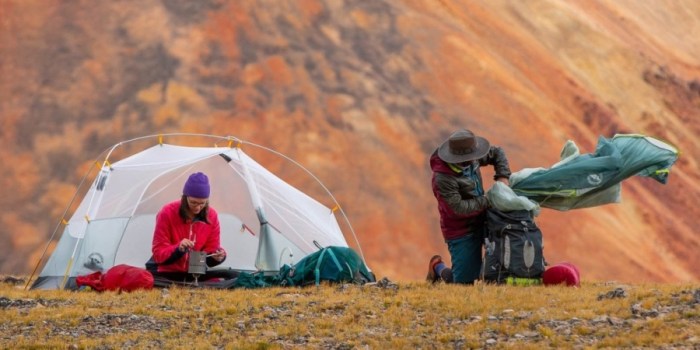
361,93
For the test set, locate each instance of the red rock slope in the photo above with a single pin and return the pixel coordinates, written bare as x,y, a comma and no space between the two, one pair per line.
361,92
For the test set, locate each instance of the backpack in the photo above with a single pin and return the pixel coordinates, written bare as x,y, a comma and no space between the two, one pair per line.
332,264
513,246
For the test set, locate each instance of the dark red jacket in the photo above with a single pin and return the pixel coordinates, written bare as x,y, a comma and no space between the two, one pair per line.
460,199
171,229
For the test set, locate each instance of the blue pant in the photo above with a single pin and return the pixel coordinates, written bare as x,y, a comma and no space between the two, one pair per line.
466,257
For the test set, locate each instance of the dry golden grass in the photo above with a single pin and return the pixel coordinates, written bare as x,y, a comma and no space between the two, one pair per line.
413,316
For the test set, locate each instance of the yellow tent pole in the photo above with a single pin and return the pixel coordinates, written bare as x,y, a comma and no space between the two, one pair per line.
103,164
65,275
70,262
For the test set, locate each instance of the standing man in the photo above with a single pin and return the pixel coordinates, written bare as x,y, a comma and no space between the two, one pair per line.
458,188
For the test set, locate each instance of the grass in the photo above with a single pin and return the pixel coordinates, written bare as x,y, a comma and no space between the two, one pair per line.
413,316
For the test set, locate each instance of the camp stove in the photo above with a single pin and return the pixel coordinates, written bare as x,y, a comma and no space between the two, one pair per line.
197,265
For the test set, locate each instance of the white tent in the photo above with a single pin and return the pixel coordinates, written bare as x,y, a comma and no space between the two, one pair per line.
265,222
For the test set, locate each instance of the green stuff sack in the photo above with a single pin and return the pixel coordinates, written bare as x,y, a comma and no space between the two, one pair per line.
253,280
332,264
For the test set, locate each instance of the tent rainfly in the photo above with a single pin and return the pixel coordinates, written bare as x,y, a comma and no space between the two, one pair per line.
265,222
586,180
589,180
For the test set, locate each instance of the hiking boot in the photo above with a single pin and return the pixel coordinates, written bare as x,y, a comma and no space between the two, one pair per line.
446,275
432,276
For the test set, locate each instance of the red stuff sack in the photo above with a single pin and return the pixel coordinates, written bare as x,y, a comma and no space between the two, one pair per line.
121,278
127,278
562,273
93,280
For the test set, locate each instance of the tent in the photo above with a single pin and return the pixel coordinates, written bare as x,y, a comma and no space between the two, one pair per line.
588,180
265,222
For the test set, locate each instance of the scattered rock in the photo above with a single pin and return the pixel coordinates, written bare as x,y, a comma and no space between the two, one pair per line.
109,324
6,303
12,280
639,311
530,334
614,321
269,334
343,287
523,314
563,329
385,283
618,292
636,309
600,319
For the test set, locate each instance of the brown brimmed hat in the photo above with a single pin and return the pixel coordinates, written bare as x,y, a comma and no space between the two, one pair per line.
463,146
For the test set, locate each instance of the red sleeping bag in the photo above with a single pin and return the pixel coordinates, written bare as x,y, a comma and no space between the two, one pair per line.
562,273
121,277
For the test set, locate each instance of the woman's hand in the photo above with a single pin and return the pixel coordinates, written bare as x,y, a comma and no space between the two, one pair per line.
185,245
219,255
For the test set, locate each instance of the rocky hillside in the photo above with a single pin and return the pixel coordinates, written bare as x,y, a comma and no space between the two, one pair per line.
361,92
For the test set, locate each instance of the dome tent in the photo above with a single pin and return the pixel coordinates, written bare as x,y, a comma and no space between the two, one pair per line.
265,222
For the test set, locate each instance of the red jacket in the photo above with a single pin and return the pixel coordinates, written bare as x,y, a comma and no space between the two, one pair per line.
171,229
460,199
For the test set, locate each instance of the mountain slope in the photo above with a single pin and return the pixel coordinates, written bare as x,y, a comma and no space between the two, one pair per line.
361,93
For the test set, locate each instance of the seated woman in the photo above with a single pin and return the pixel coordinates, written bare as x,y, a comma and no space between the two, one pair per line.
183,226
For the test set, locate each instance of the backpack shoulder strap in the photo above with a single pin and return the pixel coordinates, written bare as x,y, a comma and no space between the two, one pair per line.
317,270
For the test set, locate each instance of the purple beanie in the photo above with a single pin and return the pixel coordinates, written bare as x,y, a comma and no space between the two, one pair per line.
197,186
